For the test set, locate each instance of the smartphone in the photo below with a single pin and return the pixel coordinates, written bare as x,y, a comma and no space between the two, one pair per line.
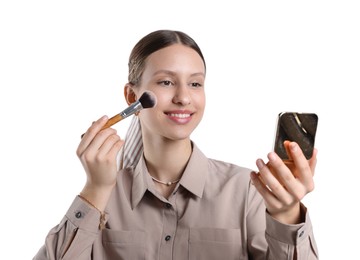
296,127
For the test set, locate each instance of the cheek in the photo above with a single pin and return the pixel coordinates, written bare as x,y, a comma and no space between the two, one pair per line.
151,116
199,101
163,98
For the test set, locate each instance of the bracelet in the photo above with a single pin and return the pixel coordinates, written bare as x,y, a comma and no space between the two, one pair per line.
102,214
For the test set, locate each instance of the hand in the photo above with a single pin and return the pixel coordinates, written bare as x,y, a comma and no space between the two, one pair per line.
283,185
97,152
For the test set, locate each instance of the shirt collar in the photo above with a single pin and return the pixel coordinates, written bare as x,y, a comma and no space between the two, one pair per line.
195,173
193,178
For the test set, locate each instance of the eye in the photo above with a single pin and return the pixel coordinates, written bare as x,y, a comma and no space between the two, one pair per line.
195,84
166,83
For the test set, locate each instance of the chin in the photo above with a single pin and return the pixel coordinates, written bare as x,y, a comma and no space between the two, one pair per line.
178,136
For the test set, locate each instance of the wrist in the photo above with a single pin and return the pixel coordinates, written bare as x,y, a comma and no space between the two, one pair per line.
97,197
291,216
101,212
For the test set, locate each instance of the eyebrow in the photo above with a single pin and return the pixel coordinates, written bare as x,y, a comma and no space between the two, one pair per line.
169,72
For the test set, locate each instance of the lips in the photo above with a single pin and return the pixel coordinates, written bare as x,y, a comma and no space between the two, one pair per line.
180,117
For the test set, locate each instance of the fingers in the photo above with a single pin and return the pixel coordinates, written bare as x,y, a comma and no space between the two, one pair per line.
286,182
90,134
277,183
99,141
287,149
259,184
303,169
110,146
313,161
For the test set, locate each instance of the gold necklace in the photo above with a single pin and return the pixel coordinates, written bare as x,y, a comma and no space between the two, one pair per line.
163,182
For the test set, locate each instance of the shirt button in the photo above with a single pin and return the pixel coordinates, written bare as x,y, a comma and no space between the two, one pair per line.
301,233
78,214
167,238
168,205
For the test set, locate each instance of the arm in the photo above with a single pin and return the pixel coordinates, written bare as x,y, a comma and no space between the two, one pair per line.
282,187
97,152
74,236
296,240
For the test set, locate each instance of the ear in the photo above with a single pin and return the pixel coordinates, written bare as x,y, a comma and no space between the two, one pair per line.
129,93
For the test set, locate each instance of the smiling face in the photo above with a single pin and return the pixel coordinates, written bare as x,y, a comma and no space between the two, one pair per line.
176,75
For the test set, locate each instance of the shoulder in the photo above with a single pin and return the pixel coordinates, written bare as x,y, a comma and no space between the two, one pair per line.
218,168
229,173
228,166
229,182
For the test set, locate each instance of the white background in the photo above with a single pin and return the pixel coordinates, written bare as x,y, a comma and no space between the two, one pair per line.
63,64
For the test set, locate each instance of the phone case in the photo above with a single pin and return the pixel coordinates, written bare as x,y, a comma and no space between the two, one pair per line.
298,127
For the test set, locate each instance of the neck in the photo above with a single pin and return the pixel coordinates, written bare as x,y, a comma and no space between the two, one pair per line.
166,159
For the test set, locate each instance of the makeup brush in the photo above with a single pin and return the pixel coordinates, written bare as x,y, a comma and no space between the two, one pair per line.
147,100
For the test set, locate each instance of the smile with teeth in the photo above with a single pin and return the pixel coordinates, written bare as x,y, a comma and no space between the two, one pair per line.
179,115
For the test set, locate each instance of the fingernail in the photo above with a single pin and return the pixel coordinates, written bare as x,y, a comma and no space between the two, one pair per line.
272,156
260,164
293,147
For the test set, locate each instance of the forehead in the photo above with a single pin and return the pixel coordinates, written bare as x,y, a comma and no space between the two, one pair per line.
177,58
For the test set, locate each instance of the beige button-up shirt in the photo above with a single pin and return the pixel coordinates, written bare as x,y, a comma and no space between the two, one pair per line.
213,213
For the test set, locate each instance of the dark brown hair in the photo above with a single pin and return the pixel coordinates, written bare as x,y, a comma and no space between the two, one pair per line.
153,42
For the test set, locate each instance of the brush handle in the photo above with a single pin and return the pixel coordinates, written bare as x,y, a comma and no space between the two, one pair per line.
112,121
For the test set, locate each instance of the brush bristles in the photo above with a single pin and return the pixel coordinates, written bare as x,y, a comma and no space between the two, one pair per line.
147,99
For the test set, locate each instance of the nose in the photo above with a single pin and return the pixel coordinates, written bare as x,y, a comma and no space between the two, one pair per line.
182,95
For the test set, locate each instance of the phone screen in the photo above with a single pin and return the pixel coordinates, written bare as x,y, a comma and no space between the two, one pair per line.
296,127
